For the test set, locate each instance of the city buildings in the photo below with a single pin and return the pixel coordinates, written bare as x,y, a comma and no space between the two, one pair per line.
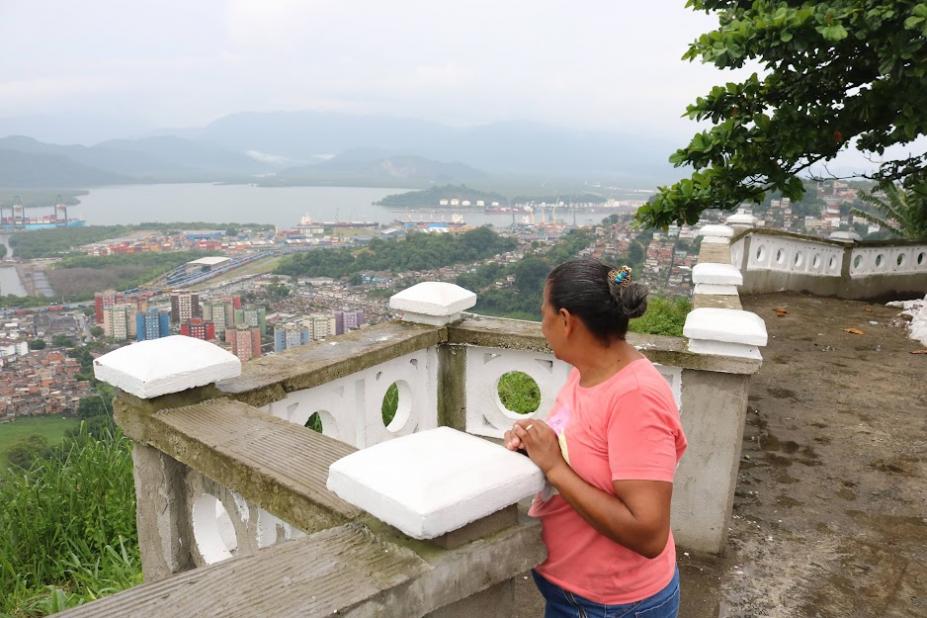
200,329
152,324
184,305
245,342
119,321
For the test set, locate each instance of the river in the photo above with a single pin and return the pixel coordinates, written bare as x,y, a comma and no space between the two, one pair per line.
281,206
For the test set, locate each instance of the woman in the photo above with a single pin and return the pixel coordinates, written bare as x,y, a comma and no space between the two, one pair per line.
609,450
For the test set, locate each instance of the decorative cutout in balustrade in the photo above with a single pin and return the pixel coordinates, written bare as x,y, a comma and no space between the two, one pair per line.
488,416
790,255
898,260
350,407
223,524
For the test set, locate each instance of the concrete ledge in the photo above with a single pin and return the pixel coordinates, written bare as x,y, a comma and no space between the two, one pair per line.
269,378
509,334
250,452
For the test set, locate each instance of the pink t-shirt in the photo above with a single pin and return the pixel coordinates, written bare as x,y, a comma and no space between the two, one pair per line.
625,428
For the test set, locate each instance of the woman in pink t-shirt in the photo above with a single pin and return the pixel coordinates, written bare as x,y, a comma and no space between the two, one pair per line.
609,450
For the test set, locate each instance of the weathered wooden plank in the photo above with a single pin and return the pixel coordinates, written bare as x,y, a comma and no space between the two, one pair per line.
278,465
314,576
269,378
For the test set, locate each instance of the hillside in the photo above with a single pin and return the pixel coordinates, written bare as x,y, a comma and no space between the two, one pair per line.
27,170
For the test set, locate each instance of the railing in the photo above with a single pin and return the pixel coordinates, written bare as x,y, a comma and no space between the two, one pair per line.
775,261
226,471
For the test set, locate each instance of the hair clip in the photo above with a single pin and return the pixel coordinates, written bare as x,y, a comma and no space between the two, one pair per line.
621,276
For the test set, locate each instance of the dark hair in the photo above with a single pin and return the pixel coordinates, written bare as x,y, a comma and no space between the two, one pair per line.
584,288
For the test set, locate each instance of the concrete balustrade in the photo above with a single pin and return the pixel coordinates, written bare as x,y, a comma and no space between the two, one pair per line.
226,472
841,266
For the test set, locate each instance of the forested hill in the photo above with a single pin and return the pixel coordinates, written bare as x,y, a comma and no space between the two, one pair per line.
416,252
429,198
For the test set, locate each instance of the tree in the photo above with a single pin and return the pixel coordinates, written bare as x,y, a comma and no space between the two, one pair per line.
62,341
37,344
356,279
96,331
835,73
530,274
901,212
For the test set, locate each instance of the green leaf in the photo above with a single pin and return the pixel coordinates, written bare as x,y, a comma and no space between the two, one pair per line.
833,33
785,36
912,22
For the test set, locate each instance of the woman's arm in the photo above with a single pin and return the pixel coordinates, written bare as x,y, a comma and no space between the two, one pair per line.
637,516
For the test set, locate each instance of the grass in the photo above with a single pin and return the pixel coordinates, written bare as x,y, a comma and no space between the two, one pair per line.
664,316
51,428
519,392
67,527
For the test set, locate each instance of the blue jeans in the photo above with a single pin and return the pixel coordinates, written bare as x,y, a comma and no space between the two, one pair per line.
564,604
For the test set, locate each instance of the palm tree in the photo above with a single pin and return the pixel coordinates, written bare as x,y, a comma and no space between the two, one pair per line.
902,211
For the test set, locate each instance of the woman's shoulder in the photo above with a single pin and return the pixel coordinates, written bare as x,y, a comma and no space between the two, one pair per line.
643,380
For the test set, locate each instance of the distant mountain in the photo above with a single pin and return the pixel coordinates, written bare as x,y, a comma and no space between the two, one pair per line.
28,169
329,148
521,148
148,159
359,168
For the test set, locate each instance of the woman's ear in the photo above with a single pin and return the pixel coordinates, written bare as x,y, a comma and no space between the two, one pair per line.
566,318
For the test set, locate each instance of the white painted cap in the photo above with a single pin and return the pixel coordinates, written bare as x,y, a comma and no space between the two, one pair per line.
168,365
741,219
433,302
432,482
840,235
720,231
726,325
716,274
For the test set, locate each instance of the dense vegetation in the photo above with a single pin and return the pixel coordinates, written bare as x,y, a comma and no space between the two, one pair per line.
416,252
429,198
834,75
67,525
523,301
76,278
62,241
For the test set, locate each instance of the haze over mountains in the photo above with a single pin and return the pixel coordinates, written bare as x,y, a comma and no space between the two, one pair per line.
321,148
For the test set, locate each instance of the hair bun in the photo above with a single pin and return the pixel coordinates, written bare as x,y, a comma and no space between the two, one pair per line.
631,298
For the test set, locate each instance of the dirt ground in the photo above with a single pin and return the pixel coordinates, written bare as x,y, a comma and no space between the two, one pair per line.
830,513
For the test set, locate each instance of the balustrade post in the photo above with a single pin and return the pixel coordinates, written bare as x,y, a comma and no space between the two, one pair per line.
439,304
150,376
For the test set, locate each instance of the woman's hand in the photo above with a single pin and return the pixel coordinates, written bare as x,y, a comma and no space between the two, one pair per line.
539,440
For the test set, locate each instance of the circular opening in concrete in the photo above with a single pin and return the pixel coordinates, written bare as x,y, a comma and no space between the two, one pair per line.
761,254
396,407
816,261
213,530
518,392
921,257
880,259
832,263
780,256
799,259
857,261
315,422
900,259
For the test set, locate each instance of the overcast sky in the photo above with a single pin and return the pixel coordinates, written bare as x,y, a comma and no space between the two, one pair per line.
182,63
